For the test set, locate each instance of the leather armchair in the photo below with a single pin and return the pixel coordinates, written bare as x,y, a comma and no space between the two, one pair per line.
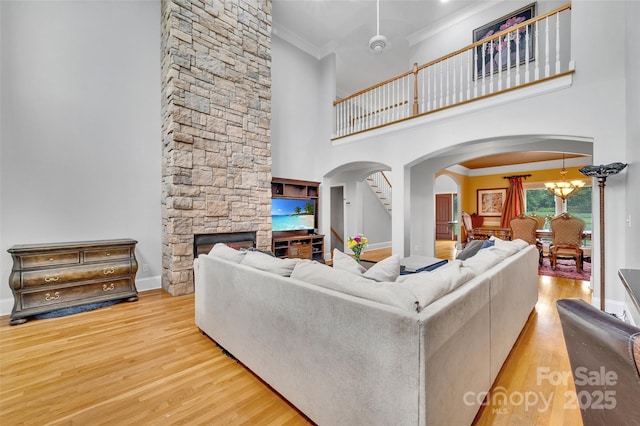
604,353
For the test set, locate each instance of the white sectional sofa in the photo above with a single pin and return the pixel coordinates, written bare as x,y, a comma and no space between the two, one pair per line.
348,351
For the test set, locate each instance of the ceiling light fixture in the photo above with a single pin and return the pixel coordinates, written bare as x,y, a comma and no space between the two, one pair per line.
564,189
378,42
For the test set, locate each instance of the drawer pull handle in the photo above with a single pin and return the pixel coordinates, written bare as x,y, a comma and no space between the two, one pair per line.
51,259
108,254
108,271
49,279
109,287
48,297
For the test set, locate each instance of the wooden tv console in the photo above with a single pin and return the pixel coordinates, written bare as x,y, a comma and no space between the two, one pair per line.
297,244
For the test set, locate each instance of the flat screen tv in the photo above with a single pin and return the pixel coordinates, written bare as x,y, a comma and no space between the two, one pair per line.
290,214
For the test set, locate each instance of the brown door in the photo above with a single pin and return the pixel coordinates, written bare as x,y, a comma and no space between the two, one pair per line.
444,216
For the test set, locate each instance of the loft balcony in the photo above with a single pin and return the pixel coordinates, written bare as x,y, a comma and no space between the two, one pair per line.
534,54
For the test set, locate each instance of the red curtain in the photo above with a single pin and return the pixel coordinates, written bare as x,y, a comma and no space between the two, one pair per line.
514,204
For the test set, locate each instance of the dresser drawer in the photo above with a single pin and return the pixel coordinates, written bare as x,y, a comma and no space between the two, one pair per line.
57,276
79,292
49,259
107,254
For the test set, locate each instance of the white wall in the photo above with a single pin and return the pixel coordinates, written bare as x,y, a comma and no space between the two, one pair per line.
299,112
632,175
81,130
376,220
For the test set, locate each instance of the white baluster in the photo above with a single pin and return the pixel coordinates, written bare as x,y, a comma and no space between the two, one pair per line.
435,87
526,54
475,72
517,57
454,83
441,85
547,67
497,51
558,43
422,90
461,94
484,47
536,73
469,65
402,110
508,61
491,62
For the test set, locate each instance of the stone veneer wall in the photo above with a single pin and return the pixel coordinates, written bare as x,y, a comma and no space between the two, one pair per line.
216,110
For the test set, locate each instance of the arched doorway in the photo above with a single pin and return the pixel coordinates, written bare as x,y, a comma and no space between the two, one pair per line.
446,204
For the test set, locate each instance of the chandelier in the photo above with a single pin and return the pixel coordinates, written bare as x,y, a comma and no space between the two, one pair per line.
564,189
378,42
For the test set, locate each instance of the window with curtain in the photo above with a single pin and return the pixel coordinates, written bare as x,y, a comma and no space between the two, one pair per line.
542,202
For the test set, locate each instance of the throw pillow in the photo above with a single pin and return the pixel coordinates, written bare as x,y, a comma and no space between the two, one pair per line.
227,253
268,263
430,286
344,262
383,271
345,282
470,249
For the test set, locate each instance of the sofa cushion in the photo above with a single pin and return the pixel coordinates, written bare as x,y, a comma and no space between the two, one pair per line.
268,263
483,261
383,271
227,253
346,282
518,244
432,285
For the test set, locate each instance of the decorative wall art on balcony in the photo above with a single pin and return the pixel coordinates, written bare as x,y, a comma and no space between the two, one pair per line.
504,50
490,201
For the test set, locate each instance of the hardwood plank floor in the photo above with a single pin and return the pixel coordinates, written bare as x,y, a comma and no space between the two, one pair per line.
146,362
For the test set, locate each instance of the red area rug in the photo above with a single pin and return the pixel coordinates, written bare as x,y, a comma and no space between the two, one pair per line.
565,268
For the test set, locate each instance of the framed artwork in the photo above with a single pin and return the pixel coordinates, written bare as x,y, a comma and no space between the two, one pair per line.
490,201
497,51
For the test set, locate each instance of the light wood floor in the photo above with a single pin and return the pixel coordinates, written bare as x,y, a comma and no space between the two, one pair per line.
147,363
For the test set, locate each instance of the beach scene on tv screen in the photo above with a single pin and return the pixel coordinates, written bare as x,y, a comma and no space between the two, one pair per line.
291,215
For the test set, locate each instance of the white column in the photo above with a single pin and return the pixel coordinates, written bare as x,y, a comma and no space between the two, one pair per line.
400,211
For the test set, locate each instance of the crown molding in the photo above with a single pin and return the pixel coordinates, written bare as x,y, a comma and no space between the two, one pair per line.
302,44
449,21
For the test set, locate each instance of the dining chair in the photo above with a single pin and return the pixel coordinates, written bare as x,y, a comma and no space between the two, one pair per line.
467,225
524,227
566,239
540,219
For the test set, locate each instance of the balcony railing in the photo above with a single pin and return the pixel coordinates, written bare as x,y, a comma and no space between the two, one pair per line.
534,51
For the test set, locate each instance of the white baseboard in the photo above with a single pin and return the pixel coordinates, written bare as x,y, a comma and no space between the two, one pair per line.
151,283
144,284
376,246
6,305
611,306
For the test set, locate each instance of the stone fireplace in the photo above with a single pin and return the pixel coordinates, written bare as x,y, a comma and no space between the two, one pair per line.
216,109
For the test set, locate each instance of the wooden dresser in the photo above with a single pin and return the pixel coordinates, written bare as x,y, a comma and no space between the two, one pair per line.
47,277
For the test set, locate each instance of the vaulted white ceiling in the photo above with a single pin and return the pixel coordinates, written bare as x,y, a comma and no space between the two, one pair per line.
344,27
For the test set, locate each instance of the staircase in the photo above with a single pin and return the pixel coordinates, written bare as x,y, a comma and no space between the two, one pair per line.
381,186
